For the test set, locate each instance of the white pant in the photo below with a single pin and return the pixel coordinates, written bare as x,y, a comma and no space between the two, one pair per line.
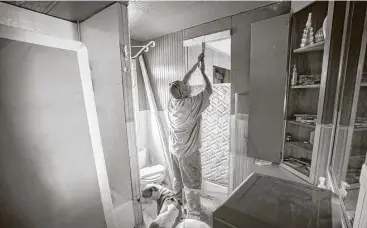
187,174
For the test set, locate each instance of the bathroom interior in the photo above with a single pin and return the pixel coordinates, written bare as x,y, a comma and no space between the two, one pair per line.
289,102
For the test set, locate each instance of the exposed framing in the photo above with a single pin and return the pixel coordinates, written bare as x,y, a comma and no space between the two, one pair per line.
90,106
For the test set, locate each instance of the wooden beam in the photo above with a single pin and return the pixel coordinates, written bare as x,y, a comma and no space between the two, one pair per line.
154,110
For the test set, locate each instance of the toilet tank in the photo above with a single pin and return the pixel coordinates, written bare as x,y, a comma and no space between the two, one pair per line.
142,157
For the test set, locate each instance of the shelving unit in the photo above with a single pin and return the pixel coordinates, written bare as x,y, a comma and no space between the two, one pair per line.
360,128
304,97
306,146
315,86
301,124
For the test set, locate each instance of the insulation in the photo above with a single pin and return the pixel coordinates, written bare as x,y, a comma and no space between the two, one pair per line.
215,131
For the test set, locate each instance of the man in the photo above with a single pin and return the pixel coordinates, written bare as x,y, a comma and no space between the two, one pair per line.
184,114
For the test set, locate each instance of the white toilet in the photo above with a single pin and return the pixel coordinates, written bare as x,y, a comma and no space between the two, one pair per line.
149,174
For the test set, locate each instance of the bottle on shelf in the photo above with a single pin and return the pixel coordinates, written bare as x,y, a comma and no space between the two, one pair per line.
308,36
294,76
322,183
312,137
343,189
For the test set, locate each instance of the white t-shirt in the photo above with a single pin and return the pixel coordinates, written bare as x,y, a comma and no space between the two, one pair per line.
184,117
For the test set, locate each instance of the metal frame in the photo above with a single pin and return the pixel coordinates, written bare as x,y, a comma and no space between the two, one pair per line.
90,106
336,115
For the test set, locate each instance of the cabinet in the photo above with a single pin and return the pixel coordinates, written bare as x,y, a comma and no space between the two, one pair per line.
305,89
349,146
283,114
325,108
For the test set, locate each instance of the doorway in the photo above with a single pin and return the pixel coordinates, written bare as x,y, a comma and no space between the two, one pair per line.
215,128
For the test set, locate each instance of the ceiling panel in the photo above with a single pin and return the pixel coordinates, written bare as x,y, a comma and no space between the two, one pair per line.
149,20
67,10
78,11
38,6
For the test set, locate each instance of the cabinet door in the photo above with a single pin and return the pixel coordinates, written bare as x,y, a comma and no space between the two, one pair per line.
268,64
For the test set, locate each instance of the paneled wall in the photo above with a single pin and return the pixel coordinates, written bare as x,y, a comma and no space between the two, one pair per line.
165,63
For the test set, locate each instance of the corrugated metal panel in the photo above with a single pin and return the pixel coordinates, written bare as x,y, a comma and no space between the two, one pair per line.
165,63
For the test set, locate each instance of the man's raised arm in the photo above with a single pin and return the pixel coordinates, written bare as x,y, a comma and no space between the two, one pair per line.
192,70
208,85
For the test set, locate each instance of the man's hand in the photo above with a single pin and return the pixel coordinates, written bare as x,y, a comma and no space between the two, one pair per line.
202,67
196,65
201,57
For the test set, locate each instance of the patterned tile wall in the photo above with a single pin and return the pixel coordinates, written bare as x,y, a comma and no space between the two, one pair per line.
215,131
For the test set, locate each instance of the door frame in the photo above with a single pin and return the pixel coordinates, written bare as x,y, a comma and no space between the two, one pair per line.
216,36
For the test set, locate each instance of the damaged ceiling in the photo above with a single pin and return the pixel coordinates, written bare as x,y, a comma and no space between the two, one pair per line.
148,19
151,19
67,10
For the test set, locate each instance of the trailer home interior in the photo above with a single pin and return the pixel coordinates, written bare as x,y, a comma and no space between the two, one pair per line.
90,122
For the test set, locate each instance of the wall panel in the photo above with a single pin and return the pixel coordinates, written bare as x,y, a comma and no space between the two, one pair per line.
165,64
101,34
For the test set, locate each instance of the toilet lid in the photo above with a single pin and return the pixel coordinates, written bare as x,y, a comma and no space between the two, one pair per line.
152,172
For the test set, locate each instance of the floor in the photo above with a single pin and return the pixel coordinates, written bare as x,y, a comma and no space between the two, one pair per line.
209,204
123,211
213,195
274,170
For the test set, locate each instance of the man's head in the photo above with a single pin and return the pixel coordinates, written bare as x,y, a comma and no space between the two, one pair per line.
179,89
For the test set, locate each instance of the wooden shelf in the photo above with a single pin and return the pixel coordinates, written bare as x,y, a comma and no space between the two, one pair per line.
306,146
360,128
314,47
353,186
364,84
301,124
316,86
303,174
